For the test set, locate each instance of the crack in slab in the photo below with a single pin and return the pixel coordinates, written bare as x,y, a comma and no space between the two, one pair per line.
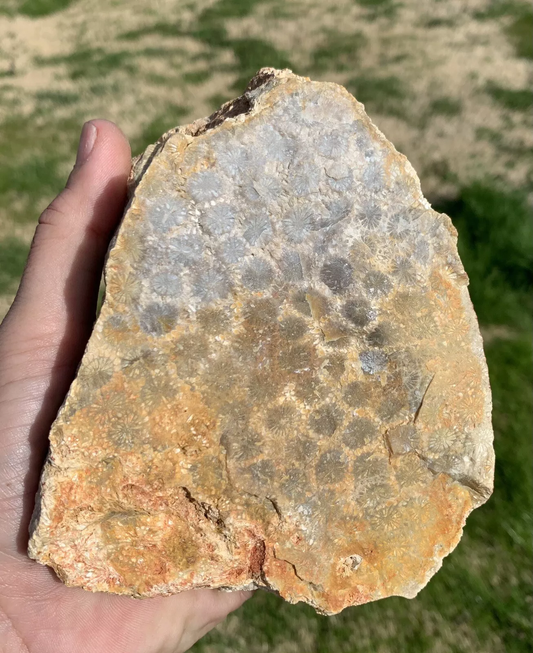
417,413
271,500
210,513
467,481
388,446
314,586
276,507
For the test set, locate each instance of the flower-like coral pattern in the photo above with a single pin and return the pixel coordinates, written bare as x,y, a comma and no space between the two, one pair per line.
287,366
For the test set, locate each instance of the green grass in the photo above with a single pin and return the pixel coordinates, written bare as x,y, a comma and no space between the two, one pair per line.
501,8
10,99
339,52
520,30
250,54
92,63
279,9
51,98
496,244
97,64
510,368
210,25
224,9
431,23
38,8
515,100
31,178
156,53
379,8
386,95
13,254
480,600
253,54
157,29
217,100
33,150
445,106
516,150
197,76
520,33
170,117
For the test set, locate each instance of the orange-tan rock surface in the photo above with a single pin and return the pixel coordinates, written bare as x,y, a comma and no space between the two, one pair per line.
285,387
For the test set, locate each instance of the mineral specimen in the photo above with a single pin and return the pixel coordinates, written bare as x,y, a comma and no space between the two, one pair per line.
286,386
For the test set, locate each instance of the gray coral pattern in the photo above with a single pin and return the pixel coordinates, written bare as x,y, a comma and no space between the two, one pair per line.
293,280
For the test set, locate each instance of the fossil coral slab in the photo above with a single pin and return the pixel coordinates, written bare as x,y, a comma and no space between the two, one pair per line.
286,385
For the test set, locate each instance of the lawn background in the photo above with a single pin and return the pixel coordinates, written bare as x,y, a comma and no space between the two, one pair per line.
448,83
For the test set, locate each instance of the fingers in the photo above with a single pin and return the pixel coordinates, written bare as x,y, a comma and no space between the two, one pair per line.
43,336
203,610
57,295
208,608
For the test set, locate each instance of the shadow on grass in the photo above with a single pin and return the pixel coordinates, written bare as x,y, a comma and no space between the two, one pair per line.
496,246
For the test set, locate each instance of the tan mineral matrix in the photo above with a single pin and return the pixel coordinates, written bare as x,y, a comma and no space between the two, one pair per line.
286,386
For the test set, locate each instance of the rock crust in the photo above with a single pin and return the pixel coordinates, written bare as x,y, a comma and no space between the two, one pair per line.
285,387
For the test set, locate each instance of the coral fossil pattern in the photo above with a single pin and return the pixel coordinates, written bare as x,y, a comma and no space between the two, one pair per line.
286,386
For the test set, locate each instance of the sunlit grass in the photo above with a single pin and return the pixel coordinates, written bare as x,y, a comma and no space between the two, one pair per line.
33,150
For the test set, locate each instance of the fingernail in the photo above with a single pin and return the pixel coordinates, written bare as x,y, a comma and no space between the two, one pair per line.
87,140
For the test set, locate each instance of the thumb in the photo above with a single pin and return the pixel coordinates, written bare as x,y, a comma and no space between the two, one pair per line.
44,334
56,299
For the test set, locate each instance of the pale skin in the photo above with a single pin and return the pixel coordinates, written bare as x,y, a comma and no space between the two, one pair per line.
41,342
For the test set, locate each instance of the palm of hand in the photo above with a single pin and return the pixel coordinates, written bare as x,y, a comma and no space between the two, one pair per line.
41,342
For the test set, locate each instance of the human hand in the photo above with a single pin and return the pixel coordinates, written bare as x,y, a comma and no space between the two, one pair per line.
41,342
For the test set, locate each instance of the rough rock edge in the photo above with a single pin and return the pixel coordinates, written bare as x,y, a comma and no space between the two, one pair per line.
244,104
260,84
